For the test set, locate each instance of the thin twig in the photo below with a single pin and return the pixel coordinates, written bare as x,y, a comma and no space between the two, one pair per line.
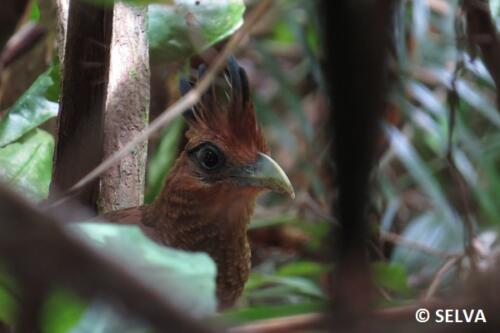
184,103
22,41
458,179
438,278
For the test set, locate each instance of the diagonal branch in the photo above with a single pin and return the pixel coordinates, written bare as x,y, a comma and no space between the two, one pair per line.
176,109
10,14
21,42
40,253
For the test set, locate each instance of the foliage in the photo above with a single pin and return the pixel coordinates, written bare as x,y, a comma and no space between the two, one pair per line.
189,27
178,29
25,151
433,69
27,164
34,107
417,194
61,312
8,309
187,279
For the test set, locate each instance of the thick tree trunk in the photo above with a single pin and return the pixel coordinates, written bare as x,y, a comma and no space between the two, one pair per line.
127,108
356,39
81,112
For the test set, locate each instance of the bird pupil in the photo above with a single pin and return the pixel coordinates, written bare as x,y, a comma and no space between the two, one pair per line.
210,158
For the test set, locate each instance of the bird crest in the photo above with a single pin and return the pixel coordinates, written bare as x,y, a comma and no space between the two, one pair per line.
225,112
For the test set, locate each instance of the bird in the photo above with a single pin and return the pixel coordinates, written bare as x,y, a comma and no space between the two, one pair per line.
209,195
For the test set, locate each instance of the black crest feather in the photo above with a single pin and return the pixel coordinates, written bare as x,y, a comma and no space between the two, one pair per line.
225,110
184,88
233,81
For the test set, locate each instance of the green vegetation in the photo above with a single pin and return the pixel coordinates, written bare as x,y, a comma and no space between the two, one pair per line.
439,169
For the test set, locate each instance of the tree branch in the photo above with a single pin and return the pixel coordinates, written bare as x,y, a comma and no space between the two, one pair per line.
28,54
356,38
39,252
21,42
10,14
81,112
184,103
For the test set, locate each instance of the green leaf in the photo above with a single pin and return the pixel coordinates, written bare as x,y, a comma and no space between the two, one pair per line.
101,317
163,158
35,11
61,312
189,27
419,170
27,164
7,307
187,279
390,276
244,315
8,302
477,100
495,8
302,268
293,284
34,107
429,230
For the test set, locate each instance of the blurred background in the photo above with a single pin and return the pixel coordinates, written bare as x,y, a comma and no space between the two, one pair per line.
435,191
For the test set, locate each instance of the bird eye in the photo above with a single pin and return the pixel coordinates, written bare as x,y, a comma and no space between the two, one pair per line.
209,157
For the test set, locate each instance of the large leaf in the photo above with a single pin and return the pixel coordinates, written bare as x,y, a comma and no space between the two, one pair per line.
187,279
430,231
61,312
102,318
27,164
189,27
34,107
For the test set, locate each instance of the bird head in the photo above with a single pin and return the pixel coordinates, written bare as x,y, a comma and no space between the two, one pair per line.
225,144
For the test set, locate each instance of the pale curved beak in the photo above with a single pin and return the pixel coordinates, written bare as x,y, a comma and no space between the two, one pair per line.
266,173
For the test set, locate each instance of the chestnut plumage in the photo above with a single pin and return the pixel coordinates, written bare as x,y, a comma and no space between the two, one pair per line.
209,196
